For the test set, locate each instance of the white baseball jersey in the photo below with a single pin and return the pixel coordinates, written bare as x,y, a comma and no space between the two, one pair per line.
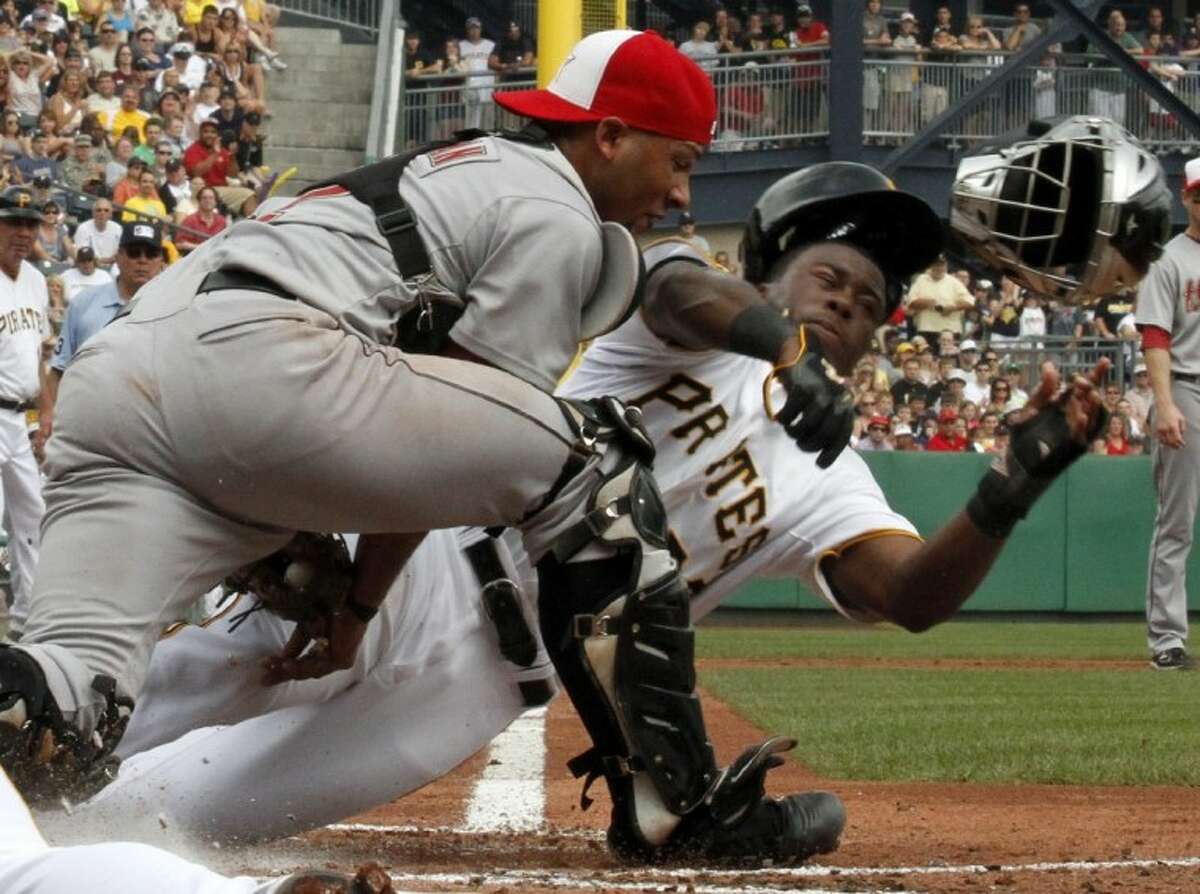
24,322
742,499
481,209
1169,298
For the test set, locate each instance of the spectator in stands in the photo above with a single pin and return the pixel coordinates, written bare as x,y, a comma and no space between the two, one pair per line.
260,20
936,302
81,168
114,169
902,437
128,186
723,258
420,64
1109,311
973,47
901,77
175,135
947,440
214,163
84,275
910,383
104,98
245,78
27,73
101,233
1014,373
153,133
876,440
875,36
1018,94
1107,96
160,19
125,73
951,394
206,104
176,191
699,48
1156,24
1140,395
37,163
746,108
209,41
120,18
191,13
1033,317
57,146
754,38
513,53
11,143
450,101
128,115
104,53
1116,436
171,103
687,233
140,259
146,203
779,35
228,118
10,41
202,225
69,104
53,242
968,354
979,391
811,80
476,50
147,48
190,67
231,31
56,293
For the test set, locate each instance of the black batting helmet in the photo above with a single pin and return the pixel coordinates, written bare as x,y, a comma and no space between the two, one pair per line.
1075,208
842,201
19,203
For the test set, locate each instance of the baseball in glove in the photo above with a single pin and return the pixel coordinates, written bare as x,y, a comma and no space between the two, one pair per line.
306,581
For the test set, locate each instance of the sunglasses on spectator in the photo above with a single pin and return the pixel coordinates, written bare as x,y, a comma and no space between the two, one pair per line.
108,30
138,252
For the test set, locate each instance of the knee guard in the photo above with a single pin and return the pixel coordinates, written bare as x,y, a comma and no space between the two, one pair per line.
615,619
45,756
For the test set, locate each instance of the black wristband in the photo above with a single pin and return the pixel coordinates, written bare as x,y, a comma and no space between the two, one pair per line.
364,613
988,520
760,331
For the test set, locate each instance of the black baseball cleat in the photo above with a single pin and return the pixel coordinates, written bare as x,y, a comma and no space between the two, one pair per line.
775,831
1171,659
46,757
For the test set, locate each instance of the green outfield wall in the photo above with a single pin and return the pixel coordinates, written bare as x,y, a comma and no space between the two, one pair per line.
1082,549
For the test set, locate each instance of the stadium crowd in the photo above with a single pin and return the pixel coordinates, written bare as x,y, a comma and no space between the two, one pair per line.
114,111
916,70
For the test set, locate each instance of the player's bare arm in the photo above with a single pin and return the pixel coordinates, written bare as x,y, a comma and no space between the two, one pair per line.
920,584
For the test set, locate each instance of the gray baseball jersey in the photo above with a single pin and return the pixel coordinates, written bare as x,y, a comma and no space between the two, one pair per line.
1169,297
481,209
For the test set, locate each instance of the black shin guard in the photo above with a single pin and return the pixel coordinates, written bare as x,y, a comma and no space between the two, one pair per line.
615,621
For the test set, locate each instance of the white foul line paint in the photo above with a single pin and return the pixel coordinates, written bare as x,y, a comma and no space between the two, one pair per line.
510,795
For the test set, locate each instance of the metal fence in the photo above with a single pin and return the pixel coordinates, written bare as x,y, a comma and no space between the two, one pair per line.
363,14
780,98
1071,355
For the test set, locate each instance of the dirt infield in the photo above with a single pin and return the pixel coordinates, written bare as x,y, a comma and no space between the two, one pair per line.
900,836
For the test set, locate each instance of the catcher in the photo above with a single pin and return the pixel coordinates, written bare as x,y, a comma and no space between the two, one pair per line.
824,245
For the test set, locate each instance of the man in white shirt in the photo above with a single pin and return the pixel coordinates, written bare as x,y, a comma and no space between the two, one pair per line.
105,99
84,274
104,53
700,48
476,50
101,234
937,302
980,391
191,67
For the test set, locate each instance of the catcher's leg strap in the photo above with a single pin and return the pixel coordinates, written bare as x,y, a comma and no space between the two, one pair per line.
615,619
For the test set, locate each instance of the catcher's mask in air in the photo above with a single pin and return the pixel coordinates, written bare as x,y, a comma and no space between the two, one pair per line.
1075,211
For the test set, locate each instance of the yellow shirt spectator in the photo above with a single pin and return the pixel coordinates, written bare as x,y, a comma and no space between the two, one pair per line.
117,121
193,10
138,206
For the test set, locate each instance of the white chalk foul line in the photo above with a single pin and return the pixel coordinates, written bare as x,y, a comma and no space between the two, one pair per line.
510,795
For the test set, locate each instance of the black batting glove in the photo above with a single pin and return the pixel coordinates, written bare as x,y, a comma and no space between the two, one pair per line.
819,412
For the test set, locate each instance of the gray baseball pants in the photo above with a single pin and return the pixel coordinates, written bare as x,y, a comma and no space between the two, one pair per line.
192,443
1177,483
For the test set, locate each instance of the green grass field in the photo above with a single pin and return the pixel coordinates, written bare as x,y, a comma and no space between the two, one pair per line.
1083,726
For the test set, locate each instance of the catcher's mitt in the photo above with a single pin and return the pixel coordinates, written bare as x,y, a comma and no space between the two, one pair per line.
307,580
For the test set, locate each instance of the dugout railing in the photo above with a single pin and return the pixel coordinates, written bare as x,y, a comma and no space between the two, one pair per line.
1070,355
780,98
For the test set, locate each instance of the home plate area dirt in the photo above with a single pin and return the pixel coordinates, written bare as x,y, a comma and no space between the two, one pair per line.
900,836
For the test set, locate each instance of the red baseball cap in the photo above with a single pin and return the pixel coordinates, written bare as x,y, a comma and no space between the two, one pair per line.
948,415
632,75
881,421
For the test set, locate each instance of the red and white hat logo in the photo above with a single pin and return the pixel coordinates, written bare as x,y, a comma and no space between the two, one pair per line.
632,75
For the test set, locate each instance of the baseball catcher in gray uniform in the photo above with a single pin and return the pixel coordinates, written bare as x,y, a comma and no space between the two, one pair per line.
259,388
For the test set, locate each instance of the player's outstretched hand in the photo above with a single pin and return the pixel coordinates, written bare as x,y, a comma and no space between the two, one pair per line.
1079,402
316,648
819,411
1048,434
